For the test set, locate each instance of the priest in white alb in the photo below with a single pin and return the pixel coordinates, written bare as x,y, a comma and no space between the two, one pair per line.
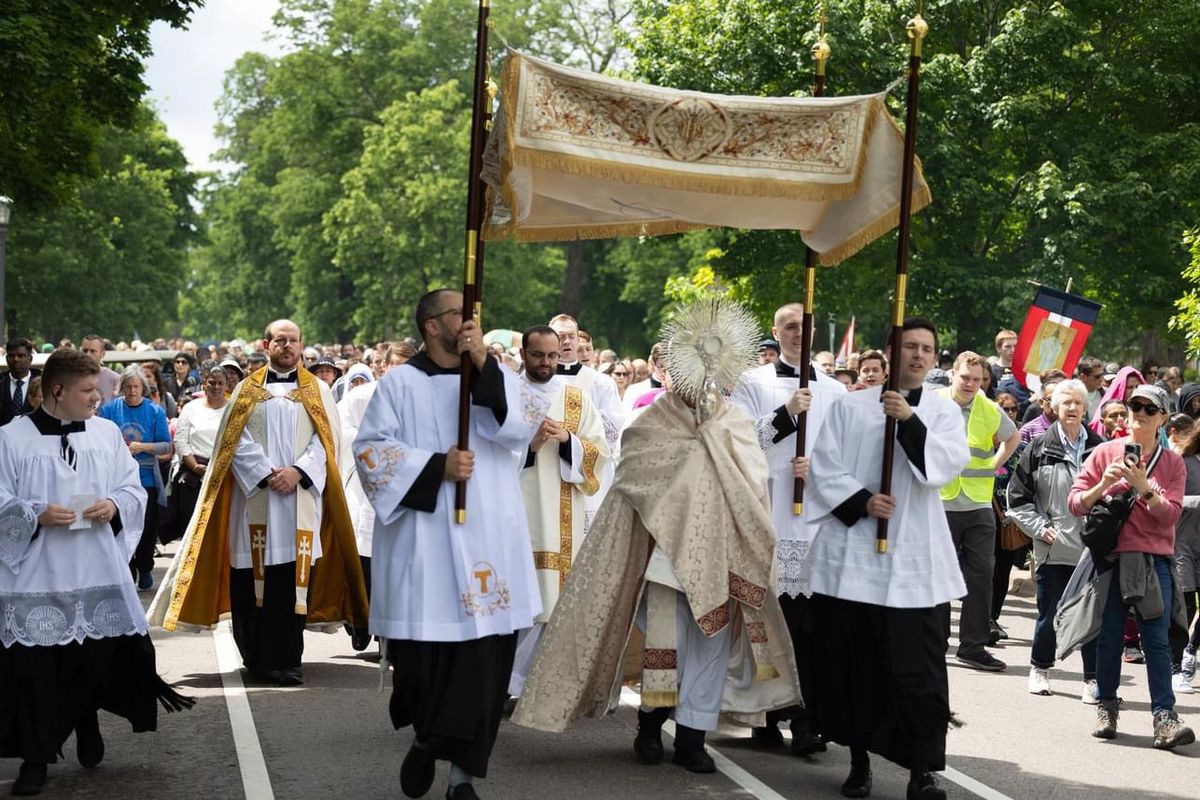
771,396
879,673
448,594
561,470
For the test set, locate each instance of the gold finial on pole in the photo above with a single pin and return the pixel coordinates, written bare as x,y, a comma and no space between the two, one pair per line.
820,50
917,29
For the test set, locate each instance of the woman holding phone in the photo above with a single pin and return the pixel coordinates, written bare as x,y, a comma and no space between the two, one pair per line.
1142,561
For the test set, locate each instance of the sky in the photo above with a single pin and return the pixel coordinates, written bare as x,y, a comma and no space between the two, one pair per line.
187,70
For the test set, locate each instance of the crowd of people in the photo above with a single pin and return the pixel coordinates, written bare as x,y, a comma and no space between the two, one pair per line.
607,512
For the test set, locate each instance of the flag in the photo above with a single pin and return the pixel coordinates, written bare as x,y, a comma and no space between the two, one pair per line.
843,353
1055,331
574,155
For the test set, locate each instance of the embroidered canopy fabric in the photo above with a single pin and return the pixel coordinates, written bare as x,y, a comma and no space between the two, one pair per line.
579,155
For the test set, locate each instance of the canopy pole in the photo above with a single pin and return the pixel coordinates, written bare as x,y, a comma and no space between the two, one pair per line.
473,257
820,54
917,29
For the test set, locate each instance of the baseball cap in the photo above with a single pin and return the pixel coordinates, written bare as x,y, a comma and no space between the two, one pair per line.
771,343
233,363
1152,393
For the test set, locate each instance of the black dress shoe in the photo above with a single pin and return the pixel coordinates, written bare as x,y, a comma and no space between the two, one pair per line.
89,744
464,791
806,744
925,788
768,736
30,780
689,751
858,782
417,771
290,677
360,639
648,745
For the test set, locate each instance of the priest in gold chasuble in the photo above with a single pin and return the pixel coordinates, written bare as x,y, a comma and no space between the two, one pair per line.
562,468
271,540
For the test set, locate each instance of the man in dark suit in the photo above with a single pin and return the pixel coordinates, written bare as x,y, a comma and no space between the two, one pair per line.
14,381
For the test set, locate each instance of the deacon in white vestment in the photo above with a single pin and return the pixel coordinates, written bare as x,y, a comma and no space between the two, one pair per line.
561,470
72,629
449,596
602,391
770,395
880,680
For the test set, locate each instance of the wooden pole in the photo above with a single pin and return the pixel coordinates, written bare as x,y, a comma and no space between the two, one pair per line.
820,54
917,29
473,256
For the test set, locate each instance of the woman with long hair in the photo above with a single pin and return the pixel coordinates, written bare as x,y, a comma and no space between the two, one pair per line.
195,438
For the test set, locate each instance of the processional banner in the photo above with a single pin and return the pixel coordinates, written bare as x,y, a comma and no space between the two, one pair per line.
578,155
1055,330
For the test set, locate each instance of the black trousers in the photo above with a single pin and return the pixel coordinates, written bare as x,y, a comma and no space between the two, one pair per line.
270,637
143,556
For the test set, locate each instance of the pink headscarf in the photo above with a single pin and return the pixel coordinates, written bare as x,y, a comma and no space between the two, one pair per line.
1115,391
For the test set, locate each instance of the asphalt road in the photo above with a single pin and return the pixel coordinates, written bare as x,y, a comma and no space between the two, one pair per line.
331,739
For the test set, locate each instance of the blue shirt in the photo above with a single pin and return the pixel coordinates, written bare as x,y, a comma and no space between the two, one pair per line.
1074,449
146,422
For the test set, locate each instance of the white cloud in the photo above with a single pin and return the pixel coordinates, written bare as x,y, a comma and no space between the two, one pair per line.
187,71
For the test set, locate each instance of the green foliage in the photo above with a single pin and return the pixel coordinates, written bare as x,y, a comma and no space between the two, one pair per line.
69,69
112,260
1059,142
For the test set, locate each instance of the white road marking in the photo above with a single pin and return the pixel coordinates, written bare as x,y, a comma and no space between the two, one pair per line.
256,782
761,791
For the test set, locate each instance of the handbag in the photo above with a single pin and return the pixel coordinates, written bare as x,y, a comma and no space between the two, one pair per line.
189,478
1011,535
1103,523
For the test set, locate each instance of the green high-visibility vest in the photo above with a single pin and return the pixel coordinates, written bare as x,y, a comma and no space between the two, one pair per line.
979,478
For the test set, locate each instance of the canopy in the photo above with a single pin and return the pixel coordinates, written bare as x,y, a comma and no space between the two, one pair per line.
578,155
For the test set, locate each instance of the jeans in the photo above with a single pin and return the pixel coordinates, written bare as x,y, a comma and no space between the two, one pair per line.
1051,581
1154,640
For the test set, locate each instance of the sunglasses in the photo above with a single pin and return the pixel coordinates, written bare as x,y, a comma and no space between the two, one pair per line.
1144,408
620,374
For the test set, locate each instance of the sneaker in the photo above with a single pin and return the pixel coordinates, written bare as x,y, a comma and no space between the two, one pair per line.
1039,681
1169,731
1107,713
983,661
1180,684
1091,693
1188,665
1133,655
145,581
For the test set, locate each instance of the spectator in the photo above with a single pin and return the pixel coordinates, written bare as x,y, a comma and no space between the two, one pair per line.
1189,400
1039,417
150,370
93,345
1141,563
620,375
144,426
180,381
195,438
1090,370
1114,416
35,394
1178,429
14,381
1187,560
768,351
1037,502
825,362
1121,388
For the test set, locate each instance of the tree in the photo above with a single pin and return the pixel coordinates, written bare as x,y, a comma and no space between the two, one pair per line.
112,259
1058,142
70,69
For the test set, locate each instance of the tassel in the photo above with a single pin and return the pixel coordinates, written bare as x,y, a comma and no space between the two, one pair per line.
170,699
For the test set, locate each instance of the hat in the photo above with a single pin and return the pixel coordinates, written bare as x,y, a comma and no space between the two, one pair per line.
232,362
1154,394
771,343
938,377
1111,369
326,361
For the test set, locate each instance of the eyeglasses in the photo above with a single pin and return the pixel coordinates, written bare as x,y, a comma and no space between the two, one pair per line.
621,374
1144,408
457,311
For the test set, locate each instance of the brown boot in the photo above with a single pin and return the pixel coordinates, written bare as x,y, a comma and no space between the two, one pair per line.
1106,720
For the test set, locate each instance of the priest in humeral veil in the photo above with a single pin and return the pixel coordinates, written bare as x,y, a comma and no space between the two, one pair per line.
271,542
682,549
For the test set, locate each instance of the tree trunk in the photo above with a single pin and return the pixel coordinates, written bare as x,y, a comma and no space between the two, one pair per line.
572,294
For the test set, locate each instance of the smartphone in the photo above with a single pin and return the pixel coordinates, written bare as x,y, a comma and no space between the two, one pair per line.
1133,454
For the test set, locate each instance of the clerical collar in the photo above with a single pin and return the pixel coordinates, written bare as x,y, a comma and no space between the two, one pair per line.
655,384
786,370
913,396
280,377
423,362
50,425
570,369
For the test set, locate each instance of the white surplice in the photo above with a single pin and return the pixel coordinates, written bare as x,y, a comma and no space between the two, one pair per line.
762,393
269,440
59,585
351,409
433,579
920,568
